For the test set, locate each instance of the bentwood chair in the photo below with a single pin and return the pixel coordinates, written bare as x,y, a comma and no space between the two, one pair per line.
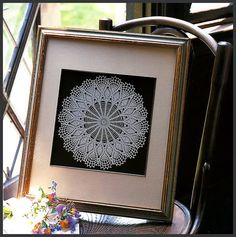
185,220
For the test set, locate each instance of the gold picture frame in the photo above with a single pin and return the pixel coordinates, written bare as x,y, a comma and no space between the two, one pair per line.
149,195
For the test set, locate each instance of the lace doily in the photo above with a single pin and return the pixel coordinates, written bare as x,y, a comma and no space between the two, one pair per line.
103,122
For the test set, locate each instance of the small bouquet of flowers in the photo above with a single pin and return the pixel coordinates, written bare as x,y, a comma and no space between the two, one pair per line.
48,216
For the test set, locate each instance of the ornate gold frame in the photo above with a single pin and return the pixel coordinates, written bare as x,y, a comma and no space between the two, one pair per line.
182,47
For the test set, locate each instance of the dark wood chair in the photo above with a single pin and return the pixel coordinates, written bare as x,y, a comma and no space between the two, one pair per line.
185,220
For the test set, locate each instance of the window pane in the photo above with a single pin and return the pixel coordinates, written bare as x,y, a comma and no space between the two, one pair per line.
8,48
4,179
87,15
10,141
19,96
16,170
82,15
200,7
28,54
20,92
13,14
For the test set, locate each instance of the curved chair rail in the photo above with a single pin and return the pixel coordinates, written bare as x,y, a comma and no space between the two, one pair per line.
173,22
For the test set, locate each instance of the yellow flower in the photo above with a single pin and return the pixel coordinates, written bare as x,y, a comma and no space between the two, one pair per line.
73,211
36,227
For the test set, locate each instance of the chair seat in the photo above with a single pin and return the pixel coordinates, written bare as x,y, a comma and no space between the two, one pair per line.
105,224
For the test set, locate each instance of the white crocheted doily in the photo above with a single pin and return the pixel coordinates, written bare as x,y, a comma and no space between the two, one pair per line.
103,122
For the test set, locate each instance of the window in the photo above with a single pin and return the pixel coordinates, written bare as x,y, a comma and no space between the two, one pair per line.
205,15
201,7
13,15
17,71
19,26
212,17
81,15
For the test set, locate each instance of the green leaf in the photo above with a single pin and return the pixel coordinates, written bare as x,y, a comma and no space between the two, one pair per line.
44,224
42,192
54,210
7,212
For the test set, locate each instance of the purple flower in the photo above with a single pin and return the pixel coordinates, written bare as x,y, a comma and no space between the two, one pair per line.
72,222
52,197
77,214
60,208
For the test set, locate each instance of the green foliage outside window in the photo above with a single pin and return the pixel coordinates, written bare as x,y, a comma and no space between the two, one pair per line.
86,15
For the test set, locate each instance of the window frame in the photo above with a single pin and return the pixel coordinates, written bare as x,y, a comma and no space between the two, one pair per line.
180,11
29,22
211,14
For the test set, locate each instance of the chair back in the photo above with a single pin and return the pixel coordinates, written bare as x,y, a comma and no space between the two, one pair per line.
222,52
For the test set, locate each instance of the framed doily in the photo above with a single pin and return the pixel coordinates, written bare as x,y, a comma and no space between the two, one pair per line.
103,121
105,117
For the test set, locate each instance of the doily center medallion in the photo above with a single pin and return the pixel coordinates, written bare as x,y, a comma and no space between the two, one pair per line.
103,122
